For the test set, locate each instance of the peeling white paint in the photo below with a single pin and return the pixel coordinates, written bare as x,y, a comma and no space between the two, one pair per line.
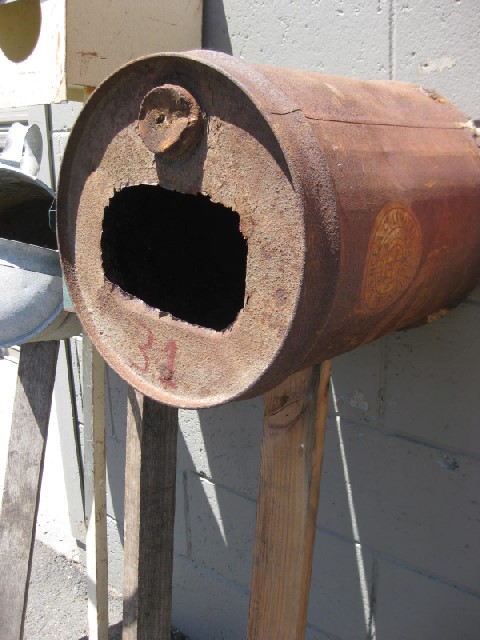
438,64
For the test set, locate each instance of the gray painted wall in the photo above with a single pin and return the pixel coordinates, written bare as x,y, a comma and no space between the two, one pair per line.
398,533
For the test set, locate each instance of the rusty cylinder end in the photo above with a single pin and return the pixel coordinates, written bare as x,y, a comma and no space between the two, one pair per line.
186,274
170,121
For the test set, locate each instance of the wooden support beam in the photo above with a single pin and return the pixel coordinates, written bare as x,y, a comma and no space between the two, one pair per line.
149,518
23,478
291,464
95,490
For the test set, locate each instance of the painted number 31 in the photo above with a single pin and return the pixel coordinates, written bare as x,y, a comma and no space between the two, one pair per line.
166,367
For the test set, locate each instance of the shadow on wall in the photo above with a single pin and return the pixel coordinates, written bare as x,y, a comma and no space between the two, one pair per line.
398,527
398,487
218,461
116,428
219,452
215,27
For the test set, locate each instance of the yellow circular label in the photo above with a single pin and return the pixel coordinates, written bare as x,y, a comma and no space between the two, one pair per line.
393,258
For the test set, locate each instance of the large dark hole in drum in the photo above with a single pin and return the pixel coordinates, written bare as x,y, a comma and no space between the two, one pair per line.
182,254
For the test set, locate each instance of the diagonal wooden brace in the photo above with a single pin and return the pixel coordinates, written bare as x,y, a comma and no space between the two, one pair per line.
291,464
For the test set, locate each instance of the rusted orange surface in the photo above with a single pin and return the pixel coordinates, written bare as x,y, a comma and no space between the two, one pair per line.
277,219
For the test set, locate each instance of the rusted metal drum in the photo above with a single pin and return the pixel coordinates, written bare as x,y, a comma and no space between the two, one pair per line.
222,225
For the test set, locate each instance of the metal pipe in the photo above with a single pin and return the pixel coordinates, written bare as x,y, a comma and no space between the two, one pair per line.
222,225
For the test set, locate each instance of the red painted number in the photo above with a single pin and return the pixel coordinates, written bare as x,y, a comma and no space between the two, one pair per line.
144,349
171,350
167,369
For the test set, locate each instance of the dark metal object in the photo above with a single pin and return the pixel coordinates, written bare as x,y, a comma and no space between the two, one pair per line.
360,203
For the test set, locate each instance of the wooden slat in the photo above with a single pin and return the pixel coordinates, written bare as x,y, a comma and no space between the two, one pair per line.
21,493
125,30
149,518
95,490
291,463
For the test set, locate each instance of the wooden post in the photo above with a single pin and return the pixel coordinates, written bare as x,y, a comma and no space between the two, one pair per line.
23,478
149,518
291,463
95,490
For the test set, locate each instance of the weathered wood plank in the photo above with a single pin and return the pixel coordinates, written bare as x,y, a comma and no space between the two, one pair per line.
23,477
149,518
95,490
291,463
63,45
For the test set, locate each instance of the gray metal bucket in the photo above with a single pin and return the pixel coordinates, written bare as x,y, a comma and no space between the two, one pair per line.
31,290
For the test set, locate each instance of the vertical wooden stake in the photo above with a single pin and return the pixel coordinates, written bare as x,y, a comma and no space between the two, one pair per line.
149,518
95,490
291,464
23,478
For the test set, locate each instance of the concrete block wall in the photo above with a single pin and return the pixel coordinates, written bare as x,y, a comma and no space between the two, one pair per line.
397,550
398,534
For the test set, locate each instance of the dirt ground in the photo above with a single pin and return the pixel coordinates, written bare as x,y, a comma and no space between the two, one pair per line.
57,601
